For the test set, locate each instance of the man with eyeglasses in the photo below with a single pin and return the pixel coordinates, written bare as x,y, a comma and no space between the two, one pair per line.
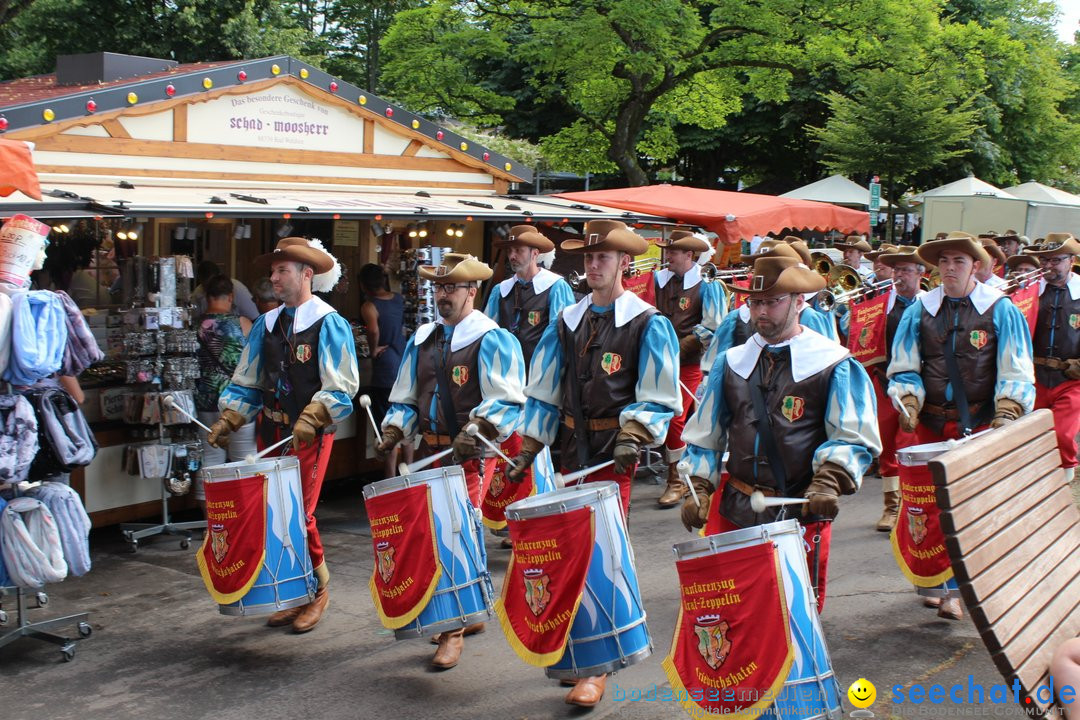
961,358
695,309
1057,341
461,369
603,381
795,413
298,368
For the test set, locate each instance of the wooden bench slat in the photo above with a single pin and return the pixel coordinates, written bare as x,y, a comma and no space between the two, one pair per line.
1035,605
991,497
1056,612
987,448
1034,665
1038,458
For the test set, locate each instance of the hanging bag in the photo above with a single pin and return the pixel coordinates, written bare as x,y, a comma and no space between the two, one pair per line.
18,438
63,433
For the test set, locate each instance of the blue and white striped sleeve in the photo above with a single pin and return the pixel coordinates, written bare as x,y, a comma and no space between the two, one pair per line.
402,412
819,322
491,308
502,381
1015,370
851,422
657,394
337,367
722,339
713,311
560,297
244,393
705,434
543,393
904,371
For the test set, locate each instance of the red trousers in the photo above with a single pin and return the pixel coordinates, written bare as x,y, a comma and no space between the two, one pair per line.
892,437
624,480
1064,402
690,377
817,554
313,459
949,432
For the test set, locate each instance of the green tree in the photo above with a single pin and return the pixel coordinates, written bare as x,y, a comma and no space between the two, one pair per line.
895,125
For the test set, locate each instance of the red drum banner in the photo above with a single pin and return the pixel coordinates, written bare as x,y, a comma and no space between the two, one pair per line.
643,286
543,586
866,334
732,650
740,298
406,554
234,547
500,492
1027,299
917,541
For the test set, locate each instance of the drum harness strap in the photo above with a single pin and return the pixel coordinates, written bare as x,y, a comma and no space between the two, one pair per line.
443,391
583,441
959,394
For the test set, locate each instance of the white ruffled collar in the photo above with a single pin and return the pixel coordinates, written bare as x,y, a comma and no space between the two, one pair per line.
475,325
811,353
1073,285
306,315
689,280
627,307
982,298
540,282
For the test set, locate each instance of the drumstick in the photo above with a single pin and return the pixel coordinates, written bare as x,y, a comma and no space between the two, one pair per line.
683,468
251,459
170,402
365,402
421,464
474,430
894,393
563,480
758,501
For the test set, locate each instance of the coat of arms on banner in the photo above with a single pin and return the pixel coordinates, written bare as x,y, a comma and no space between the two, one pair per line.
498,484
1074,321
219,541
917,524
536,590
460,375
534,317
793,407
611,362
713,641
979,338
385,552
303,352
684,302
864,336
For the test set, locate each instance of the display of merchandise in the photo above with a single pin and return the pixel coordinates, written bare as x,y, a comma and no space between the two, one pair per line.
418,293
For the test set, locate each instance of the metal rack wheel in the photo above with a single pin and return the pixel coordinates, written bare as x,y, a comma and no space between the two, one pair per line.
42,599
85,630
185,544
68,652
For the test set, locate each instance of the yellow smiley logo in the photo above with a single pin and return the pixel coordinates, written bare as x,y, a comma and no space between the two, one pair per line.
862,693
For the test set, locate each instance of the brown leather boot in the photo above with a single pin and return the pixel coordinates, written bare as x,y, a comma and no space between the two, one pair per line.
950,608
284,617
891,497
474,629
450,646
587,692
312,613
675,490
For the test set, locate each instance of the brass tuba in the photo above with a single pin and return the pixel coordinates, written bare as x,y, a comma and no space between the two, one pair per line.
823,264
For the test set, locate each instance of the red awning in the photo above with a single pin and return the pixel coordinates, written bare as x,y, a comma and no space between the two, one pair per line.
17,170
734,216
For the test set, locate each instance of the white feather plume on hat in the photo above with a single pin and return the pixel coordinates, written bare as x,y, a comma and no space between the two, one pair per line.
706,255
325,282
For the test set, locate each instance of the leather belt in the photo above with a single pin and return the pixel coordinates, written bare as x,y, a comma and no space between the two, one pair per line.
950,414
435,440
749,489
1052,363
278,417
595,424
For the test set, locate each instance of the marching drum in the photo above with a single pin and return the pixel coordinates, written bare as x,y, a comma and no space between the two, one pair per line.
917,541
811,689
286,579
609,631
463,595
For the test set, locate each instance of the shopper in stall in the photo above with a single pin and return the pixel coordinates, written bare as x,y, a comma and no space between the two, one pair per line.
262,292
243,304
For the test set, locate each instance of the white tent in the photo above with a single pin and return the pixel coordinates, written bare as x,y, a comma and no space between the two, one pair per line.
970,186
1037,192
835,189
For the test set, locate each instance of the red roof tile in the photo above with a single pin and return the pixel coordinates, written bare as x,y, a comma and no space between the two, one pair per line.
43,87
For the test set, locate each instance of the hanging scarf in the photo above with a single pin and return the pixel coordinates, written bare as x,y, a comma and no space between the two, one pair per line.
31,544
72,523
63,432
18,437
81,350
38,336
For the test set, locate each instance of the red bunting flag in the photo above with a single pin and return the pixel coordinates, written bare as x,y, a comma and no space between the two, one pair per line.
643,286
407,568
1027,299
732,651
917,541
234,547
543,586
866,334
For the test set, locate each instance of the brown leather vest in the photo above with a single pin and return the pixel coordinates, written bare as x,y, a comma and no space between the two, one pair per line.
292,368
607,371
462,374
797,413
975,348
525,314
1059,319
681,307
743,331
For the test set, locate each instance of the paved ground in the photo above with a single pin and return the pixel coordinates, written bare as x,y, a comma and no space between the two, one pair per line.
160,649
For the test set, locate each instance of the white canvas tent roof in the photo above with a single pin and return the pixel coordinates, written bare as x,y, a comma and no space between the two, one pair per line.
835,189
1037,192
970,186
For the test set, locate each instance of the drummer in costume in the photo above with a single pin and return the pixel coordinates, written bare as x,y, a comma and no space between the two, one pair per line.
298,367
603,380
461,369
854,247
965,330
794,411
695,309
1056,343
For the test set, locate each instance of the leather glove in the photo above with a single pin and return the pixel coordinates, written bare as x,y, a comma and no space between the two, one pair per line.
229,422
911,421
628,445
690,349
828,483
312,418
1072,369
391,436
530,448
693,515
1007,411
